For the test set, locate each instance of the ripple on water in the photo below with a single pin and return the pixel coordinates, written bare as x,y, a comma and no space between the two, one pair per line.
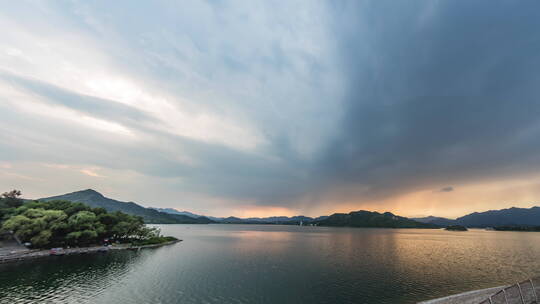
281,264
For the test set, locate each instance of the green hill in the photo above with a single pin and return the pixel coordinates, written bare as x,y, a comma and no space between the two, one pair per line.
95,199
371,219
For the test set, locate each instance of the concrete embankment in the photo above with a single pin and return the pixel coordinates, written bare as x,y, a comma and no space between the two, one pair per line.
470,297
526,292
36,253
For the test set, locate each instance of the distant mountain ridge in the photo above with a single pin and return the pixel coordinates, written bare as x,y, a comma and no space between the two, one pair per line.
503,217
250,220
440,221
284,220
186,213
492,218
174,211
95,199
370,219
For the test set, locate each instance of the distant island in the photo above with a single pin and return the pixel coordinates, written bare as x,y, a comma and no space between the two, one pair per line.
456,228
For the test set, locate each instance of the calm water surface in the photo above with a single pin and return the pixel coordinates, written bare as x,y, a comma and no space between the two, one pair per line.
281,264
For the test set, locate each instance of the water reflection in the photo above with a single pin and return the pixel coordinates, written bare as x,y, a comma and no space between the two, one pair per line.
65,279
282,264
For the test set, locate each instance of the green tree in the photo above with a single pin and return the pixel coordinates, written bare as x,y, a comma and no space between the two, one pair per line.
12,198
59,223
85,227
36,225
147,233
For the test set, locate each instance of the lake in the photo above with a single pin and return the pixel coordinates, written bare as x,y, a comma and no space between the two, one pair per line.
281,264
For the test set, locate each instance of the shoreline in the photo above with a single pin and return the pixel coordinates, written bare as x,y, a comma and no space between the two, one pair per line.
38,253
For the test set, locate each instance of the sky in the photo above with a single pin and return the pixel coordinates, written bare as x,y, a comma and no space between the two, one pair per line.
259,108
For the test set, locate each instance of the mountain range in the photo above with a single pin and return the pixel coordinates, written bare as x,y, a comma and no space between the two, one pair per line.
372,219
493,218
97,200
250,220
439,221
186,213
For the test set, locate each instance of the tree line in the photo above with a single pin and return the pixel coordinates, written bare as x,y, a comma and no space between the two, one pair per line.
61,223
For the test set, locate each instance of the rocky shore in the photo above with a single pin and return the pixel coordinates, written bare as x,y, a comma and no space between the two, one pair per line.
37,253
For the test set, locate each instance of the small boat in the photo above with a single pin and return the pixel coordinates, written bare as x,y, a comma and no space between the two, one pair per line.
103,249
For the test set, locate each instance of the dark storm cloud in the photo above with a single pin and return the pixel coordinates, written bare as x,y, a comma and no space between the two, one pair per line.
437,91
368,98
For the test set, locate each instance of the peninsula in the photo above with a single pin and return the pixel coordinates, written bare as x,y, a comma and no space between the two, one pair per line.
58,223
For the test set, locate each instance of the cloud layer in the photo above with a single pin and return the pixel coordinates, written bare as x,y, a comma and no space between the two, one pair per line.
257,107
